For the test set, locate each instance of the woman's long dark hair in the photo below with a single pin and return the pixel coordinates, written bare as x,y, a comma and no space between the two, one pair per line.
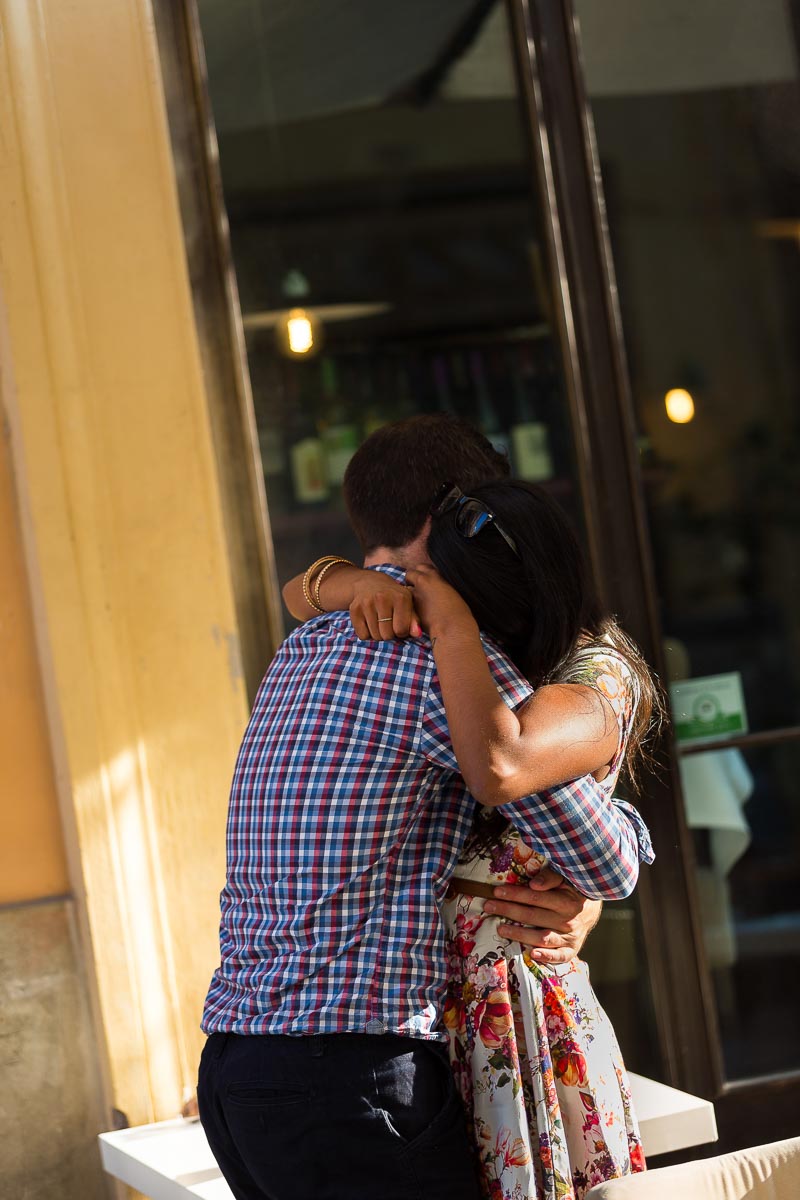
540,605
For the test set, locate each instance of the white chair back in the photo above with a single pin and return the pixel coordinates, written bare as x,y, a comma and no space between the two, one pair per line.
761,1173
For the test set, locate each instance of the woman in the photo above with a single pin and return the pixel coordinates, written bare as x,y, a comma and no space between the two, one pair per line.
534,1055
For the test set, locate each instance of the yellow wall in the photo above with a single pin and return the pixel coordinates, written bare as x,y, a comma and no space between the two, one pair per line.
32,859
113,454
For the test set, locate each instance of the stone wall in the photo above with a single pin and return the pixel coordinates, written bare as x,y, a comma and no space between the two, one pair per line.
50,1098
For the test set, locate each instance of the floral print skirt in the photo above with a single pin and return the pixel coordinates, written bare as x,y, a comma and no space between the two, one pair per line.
538,1067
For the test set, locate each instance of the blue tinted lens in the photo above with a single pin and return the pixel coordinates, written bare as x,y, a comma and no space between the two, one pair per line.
472,517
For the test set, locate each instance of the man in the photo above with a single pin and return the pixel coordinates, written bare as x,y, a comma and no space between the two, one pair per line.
326,1073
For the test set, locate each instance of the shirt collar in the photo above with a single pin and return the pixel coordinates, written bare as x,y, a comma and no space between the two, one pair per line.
398,573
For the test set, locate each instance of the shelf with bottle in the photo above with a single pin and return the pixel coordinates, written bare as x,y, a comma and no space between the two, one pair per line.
308,429
312,416
333,521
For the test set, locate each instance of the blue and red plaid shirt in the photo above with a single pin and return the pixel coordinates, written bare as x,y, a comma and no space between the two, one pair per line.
347,818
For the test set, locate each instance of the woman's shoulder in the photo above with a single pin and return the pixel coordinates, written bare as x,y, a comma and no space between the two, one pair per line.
600,665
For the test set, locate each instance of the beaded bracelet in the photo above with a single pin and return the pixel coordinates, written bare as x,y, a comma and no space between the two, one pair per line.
311,595
309,599
333,562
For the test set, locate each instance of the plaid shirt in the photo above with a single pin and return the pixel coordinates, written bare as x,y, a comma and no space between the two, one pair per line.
347,818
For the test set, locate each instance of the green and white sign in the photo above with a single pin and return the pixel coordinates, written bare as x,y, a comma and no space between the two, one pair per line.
709,707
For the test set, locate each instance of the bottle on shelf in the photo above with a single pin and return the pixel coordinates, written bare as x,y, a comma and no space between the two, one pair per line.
488,420
530,441
271,445
373,416
339,428
270,405
270,435
306,452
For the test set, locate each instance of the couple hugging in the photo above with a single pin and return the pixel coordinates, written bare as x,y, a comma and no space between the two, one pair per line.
382,1024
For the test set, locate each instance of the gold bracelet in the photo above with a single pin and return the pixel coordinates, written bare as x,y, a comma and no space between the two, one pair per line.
327,560
309,599
333,562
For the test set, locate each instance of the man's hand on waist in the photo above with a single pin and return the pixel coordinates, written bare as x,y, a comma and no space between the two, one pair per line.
546,915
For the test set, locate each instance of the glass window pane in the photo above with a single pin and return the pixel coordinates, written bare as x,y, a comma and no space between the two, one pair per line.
615,952
697,116
385,240
744,812
376,173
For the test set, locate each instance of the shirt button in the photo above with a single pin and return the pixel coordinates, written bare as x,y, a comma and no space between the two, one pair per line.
374,1026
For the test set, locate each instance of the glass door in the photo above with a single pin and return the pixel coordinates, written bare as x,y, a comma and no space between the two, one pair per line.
696,110
379,172
417,223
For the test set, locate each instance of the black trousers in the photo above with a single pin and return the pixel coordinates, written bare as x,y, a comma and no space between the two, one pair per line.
335,1117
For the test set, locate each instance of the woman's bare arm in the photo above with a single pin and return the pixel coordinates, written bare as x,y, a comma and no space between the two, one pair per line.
336,592
565,731
380,607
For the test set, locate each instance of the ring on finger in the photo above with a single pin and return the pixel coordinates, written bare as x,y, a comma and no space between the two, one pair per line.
384,619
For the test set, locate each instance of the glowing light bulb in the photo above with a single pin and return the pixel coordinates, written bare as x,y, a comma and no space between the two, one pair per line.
679,405
299,331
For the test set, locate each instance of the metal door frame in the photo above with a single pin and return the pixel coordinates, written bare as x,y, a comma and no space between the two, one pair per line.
561,128
586,311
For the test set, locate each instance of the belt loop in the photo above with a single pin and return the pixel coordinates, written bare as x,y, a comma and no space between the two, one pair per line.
317,1045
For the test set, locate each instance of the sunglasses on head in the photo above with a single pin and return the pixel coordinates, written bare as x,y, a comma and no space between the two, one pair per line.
471,515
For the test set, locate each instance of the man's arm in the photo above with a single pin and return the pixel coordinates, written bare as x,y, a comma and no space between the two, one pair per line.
547,916
595,842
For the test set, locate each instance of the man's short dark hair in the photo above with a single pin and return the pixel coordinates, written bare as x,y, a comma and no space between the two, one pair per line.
394,476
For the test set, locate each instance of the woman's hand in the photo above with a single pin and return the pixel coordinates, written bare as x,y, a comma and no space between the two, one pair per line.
382,608
438,605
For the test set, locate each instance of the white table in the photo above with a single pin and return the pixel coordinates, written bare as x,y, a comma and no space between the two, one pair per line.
671,1120
171,1160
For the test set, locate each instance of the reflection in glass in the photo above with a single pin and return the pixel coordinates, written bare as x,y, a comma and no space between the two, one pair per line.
698,130
745,817
616,954
378,187
698,144
388,259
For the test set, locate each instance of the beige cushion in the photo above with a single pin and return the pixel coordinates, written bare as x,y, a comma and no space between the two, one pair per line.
763,1172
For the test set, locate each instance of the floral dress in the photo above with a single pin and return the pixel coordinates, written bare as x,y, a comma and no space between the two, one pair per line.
534,1055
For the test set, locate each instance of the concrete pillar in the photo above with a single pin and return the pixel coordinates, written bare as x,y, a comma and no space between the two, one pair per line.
104,395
